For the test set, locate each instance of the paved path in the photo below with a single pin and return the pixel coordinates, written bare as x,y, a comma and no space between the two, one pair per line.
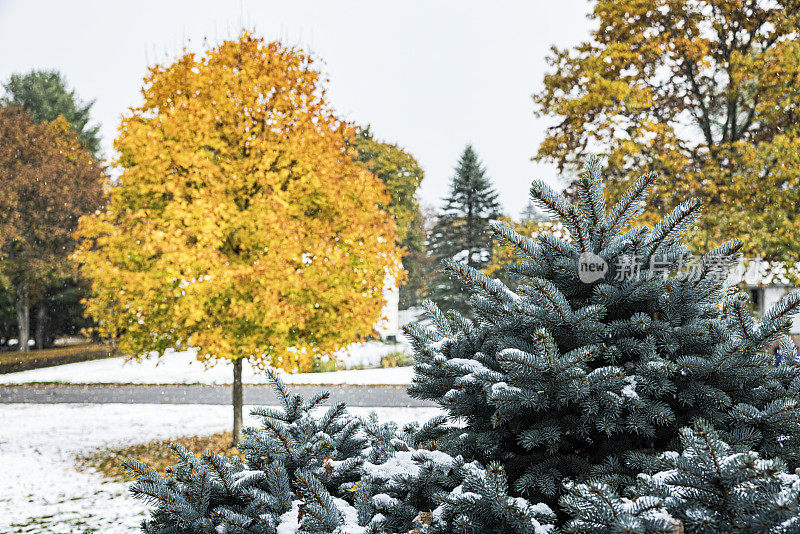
178,394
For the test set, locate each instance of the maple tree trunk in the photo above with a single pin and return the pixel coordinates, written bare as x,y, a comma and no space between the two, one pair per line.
237,401
23,316
41,323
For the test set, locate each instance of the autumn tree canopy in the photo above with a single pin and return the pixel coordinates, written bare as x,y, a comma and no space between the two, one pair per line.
241,225
47,182
706,93
45,95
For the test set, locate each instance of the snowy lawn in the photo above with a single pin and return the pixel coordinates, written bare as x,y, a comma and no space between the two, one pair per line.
42,492
183,368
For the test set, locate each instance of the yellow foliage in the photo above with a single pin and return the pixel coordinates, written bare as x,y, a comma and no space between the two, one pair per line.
703,92
241,224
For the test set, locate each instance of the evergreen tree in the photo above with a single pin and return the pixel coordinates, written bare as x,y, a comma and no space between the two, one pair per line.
578,379
307,471
461,231
531,214
708,488
293,465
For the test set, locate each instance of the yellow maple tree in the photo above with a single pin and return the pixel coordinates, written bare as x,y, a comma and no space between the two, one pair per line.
241,224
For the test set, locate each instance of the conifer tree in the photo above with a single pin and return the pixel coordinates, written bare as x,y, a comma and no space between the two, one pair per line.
708,488
307,471
461,231
575,377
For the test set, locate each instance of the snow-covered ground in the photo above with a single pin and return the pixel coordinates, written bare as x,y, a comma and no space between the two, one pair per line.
183,368
42,492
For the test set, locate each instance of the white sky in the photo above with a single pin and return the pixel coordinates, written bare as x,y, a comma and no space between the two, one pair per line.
429,75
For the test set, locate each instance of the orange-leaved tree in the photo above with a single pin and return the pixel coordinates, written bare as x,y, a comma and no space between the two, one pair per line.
704,92
47,182
241,225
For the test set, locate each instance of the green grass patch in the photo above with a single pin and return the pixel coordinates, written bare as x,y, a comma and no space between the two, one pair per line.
393,359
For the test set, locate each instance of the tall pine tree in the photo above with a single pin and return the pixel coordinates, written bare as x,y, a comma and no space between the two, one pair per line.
462,231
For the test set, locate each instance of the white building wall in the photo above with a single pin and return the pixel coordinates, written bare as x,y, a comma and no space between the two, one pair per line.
772,280
389,323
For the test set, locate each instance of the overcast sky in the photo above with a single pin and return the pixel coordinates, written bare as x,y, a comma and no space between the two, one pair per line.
429,75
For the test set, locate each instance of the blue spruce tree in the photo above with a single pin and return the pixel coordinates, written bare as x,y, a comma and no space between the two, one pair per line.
707,489
608,347
310,470
297,467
